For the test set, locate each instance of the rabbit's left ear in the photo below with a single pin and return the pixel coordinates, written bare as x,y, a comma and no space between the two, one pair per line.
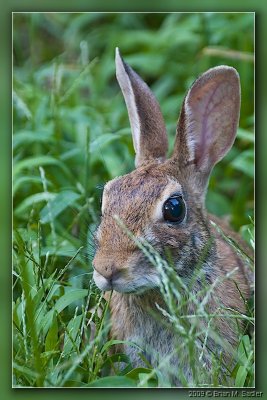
208,121
147,124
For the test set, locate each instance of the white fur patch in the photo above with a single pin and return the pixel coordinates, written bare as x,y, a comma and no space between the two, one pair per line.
101,282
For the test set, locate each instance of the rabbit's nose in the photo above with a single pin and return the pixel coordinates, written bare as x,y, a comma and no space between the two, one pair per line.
107,271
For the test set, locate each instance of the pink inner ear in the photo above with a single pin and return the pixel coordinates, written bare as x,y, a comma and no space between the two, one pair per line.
212,109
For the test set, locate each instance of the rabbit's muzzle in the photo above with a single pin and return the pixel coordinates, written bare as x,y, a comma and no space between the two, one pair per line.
104,282
124,275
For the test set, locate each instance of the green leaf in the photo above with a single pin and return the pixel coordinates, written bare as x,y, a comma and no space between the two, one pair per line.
34,162
244,349
29,202
241,376
114,342
217,203
245,135
113,381
25,370
63,249
59,203
70,297
24,138
245,162
101,141
144,382
135,373
51,341
21,106
72,337
74,384
17,312
117,358
63,302
78,80
24,180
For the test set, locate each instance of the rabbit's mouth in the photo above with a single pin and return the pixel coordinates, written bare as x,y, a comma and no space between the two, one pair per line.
119,284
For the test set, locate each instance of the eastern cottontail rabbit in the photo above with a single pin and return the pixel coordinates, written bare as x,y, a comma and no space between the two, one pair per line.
162,201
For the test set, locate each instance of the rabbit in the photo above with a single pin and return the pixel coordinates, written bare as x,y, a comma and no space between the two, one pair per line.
163,202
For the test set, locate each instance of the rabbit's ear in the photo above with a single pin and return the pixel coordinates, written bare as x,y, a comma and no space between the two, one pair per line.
147,124
208,121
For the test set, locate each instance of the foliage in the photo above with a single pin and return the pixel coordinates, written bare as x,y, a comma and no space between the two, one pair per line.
71,135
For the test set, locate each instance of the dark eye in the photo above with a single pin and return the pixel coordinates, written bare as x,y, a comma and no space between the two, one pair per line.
174,209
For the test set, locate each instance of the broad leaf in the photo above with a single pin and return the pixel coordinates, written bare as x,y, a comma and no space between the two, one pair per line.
59,203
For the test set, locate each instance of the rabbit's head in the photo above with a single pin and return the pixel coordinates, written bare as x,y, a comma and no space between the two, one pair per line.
162,200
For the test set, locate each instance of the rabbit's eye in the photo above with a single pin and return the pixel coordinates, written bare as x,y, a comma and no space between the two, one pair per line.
174,209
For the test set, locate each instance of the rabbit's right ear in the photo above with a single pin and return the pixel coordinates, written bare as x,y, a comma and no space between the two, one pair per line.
147,124
208,122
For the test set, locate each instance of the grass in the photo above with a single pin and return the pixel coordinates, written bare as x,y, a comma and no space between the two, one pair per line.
71,135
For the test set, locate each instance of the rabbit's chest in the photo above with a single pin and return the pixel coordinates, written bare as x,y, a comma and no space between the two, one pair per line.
155,340
131,322
158,346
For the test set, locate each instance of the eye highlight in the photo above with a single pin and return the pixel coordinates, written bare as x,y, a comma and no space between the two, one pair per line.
174,209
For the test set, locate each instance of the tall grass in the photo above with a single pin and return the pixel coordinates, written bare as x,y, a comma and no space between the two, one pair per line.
187,314
71,135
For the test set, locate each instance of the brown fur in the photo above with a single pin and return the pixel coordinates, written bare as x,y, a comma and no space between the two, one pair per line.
137,199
